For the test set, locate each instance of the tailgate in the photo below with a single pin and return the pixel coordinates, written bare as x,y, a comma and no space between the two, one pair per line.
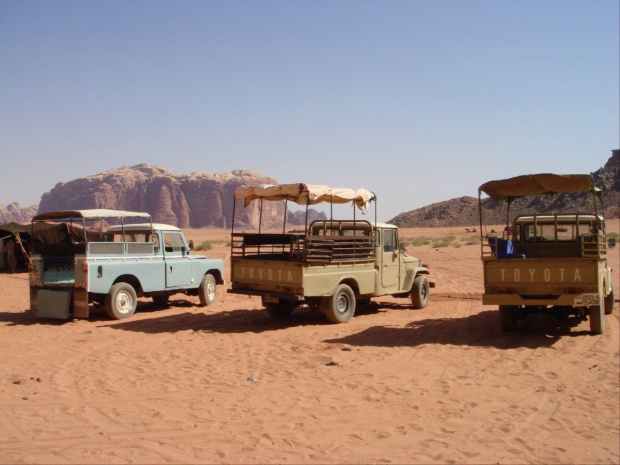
267,275
529,273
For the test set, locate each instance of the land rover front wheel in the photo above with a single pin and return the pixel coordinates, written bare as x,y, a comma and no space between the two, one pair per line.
420,292
121,301
207,291
341,305
597,319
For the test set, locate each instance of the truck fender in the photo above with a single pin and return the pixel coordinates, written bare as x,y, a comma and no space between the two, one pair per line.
129,279
413,273
349,281
217,274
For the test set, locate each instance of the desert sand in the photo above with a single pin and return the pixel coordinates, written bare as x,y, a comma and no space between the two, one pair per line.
227,384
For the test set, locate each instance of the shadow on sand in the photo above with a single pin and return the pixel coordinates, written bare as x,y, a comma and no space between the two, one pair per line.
477,330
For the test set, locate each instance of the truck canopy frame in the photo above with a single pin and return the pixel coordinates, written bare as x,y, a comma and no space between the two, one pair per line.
510,189
302,194
81,216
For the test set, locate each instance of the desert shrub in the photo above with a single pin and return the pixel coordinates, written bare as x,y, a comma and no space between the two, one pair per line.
614,235
416,241
470,240
445,241
205,245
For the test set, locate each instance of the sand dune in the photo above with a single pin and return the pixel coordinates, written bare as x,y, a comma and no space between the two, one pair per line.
230,385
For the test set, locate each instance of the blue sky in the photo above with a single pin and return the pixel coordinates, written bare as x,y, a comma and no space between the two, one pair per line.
419,101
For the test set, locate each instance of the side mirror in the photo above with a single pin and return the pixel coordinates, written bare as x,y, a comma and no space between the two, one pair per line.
191,244
611,242
402,248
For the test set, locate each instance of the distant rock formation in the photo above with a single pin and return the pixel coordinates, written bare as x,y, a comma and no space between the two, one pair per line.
463,211
13,213
187,201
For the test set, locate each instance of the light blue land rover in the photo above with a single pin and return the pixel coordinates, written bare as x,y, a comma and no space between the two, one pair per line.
74,264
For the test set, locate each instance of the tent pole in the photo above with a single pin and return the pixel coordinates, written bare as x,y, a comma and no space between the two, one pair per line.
306,224
232,226
480,212
260,215
331,214
285,215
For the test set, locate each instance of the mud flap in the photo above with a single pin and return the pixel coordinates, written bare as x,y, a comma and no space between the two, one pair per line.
80,304
53,304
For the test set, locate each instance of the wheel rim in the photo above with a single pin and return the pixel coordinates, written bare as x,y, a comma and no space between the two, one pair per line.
124,302
423,292
342,304
211,291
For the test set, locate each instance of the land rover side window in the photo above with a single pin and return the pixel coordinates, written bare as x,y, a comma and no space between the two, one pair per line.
389,240
173,242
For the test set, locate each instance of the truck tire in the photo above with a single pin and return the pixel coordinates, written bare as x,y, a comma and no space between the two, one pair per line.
207,291
507,318
609,301
597,319
280,310
341,305
420,292
121,301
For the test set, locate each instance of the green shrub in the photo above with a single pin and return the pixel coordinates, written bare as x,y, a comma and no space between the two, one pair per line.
205,245
471,240
422,240
444,241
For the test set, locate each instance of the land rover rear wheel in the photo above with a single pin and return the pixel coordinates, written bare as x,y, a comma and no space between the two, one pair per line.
507,318
341,305
420,292
280,310
121,301
207,291
609,301
597,319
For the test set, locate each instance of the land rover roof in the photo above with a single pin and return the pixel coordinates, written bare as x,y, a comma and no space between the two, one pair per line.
94,214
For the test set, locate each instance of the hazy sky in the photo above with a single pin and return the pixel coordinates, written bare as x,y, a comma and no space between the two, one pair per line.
420,101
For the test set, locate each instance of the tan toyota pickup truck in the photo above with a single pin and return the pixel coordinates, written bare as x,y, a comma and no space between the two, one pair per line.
547,263
330,265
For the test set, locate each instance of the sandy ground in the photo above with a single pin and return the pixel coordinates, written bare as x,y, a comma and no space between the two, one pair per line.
227,384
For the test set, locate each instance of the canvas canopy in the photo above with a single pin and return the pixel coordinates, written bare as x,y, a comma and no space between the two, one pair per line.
304,194
93,214
536,184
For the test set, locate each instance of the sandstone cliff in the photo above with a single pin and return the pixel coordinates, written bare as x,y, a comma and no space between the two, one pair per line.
187,201
13,213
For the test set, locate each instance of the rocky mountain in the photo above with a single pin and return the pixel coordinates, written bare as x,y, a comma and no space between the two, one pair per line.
187,201
463,211
13,213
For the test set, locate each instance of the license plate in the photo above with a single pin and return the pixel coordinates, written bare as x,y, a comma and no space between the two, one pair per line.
587,300
271,300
